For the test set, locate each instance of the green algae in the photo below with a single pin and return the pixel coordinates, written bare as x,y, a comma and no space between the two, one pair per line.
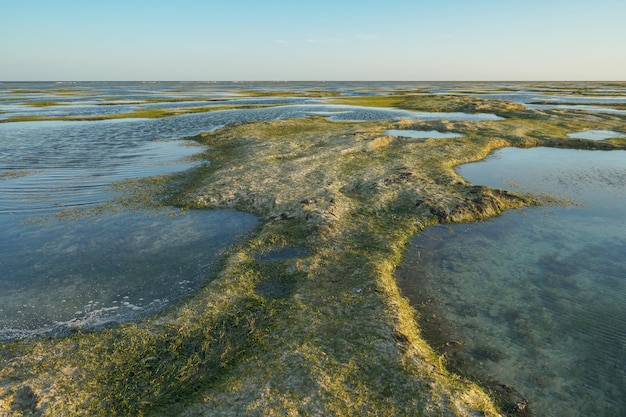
141,113
42,103
14,174
326,331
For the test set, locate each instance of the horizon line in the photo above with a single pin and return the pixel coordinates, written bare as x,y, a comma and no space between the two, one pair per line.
314,81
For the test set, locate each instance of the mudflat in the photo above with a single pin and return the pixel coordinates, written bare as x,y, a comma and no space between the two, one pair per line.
323,329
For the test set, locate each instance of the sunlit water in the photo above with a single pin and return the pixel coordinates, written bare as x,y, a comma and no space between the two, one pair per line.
536,297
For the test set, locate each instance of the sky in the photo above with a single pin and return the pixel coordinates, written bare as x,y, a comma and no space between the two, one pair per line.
321,40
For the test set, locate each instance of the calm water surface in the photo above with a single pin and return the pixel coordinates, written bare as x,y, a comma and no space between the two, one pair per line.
108,269
537,297
597,134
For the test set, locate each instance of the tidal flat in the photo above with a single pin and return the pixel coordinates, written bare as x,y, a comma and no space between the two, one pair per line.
324,328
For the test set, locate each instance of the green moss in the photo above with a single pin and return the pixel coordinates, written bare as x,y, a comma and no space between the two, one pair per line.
371,101
619,142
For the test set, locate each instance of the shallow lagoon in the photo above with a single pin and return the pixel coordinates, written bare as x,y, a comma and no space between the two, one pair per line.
534,299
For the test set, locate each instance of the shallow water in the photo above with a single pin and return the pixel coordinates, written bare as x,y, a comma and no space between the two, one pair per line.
111,268
563,99
597,134
422,134
360,113
52,165
537,297
89,99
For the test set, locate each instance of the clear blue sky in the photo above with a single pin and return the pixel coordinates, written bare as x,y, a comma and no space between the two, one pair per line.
312,40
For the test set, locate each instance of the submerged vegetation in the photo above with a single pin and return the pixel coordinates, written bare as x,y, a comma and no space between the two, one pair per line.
140,113
323,332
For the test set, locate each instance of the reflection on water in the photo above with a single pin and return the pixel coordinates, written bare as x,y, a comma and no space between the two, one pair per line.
537,297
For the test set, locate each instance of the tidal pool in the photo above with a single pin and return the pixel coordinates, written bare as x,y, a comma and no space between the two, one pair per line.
96,270
535,299
423,134
597,134
107,269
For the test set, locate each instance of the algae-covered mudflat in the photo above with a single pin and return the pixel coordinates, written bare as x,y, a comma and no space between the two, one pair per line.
302,314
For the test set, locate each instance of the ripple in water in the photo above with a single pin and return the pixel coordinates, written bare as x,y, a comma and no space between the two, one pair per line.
108,269
536,296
